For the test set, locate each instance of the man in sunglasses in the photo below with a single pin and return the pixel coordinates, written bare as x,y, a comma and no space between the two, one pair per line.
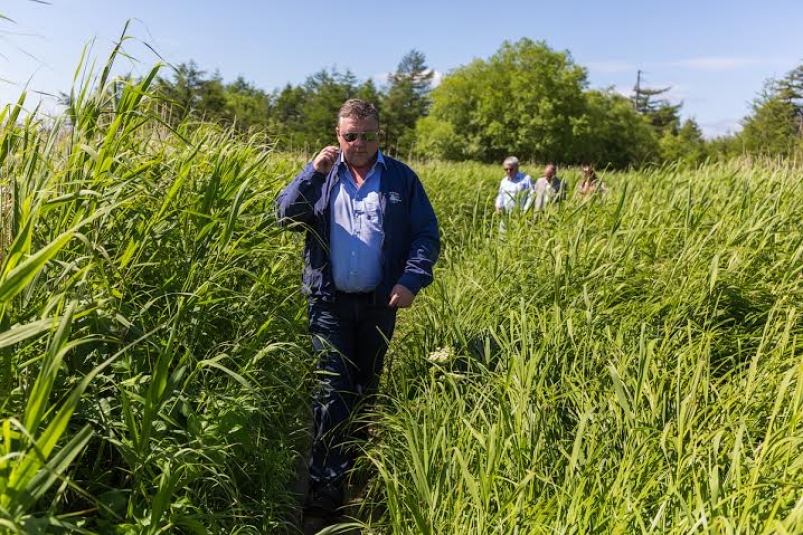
371,243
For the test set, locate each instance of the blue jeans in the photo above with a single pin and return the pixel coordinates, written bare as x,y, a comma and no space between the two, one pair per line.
350,337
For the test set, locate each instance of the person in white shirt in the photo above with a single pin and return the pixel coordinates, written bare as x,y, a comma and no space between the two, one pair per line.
515,190
549,188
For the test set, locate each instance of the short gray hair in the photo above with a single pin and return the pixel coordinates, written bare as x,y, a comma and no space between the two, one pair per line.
356,108
511,160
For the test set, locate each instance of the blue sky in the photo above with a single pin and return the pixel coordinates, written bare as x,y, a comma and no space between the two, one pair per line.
715,54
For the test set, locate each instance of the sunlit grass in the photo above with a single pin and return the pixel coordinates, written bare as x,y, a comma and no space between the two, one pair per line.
150,377
628,363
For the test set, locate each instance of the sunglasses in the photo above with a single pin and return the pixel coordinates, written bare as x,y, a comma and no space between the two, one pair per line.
351,137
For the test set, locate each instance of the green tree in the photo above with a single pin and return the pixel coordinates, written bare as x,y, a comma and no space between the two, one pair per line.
770,129
521,101
775,126
211,103
664,116
247,105
437,138
612,133
725,147
406,101
687,145
324,93
791,89
181,94
286,104
286,114
370,93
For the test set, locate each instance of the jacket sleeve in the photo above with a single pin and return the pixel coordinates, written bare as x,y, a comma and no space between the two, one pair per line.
295,205
425,241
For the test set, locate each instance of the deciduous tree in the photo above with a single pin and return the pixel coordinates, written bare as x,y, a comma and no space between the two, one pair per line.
521,101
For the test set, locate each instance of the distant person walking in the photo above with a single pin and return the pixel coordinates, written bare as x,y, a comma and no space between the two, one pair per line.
591,183
515,190
549,188
372,241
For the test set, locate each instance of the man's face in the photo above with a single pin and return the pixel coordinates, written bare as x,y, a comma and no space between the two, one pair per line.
360,152
511,170
549,172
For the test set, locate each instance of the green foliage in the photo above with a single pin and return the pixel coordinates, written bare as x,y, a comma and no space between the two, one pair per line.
181,95
521,101
686,145
662,115
246,105
612,133
307,114
325,91
406,101
531,101
150,379
725,147
368,92
526,100
438,139
191,94
775,125
625,364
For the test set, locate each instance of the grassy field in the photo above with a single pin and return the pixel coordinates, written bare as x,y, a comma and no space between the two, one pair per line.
150,381
625,364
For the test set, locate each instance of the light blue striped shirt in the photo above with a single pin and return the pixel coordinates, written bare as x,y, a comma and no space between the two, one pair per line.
357,234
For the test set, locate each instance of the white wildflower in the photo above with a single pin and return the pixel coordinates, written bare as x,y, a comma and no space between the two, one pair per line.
441,355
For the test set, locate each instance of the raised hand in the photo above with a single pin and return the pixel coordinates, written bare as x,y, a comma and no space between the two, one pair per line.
325,159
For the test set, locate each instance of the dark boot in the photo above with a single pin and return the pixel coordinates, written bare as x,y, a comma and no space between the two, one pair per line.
322,507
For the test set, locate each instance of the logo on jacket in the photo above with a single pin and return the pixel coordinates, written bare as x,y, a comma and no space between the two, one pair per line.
394,197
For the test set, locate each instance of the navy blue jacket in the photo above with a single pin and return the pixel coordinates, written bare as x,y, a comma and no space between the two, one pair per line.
412,241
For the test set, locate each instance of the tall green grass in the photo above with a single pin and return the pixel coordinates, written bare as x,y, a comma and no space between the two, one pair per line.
629,364
150,380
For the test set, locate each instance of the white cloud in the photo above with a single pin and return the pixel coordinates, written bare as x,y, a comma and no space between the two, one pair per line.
381,78
722,127
624,90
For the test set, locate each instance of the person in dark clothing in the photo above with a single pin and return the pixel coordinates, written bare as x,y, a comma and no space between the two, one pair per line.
371,243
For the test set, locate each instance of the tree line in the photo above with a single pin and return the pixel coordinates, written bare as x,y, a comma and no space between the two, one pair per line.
526,99
299,117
